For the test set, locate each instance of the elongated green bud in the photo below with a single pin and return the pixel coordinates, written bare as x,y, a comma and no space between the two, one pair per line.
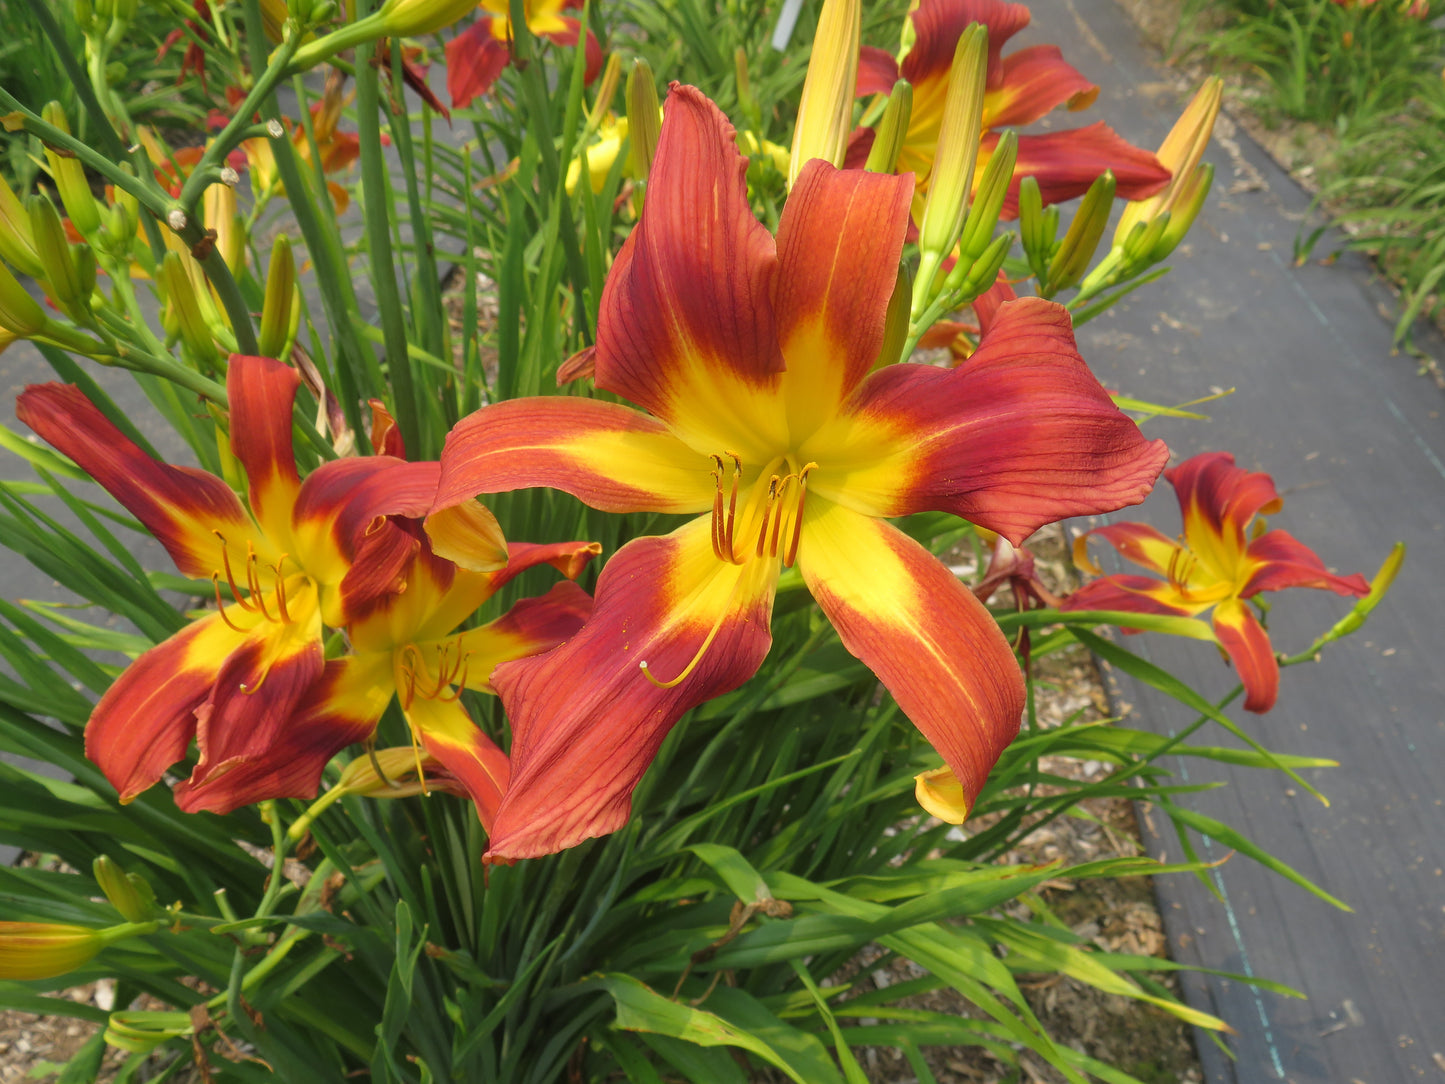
280,294
61,277
191,325
124,891
1076,250
895,321
20,314
17,245
1379,586
744,81
892,127
946,204
69,177
988,198
1038,226
644,123
1188,203
970,280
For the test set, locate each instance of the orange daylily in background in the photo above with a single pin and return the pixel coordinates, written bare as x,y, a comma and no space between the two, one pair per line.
338,150
1020,89
302,555
1220,563
476,56
754,358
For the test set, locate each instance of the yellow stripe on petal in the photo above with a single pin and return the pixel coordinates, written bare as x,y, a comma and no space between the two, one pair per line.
933,644
608,456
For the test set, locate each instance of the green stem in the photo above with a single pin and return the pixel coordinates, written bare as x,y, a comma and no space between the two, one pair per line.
378,246
83,90
239,127
149,194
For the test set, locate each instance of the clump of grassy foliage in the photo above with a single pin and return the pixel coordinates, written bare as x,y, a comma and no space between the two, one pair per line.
1370,75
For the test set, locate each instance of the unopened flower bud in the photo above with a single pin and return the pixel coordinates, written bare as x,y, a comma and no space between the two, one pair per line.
607,85
17,246
1180,154
69,177
219,212
20,314
1187,205
61,276
180,294
1038,226
895,321
946,204
743,80
825,111
988,198
42,950
644,118
127,893
892,127
1072,257
280,297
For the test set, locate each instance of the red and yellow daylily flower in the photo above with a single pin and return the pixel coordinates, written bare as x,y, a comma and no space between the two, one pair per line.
406,647
302,555
751,356
476,56
1020,89
1220,562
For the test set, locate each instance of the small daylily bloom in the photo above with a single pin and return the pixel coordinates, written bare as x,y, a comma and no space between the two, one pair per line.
407,647
1021,88
338,150
1219,562
303,555
476,56
752,356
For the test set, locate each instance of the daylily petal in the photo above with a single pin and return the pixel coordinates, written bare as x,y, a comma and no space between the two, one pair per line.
182,507
1216,502
1138,542
685,328
1132,594
587,721
1282,561
606,455
1035,81
568,558
934,645
1019,435
256,690
146,719
447,732
530,627
340,708
940,793
261,392
1223,496
567,35
475,58
1066,163
839,241
877,71
469,536
1248,647
939,23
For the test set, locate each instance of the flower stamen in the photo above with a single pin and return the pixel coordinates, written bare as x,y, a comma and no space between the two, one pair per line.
231,576
221,605
792,554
